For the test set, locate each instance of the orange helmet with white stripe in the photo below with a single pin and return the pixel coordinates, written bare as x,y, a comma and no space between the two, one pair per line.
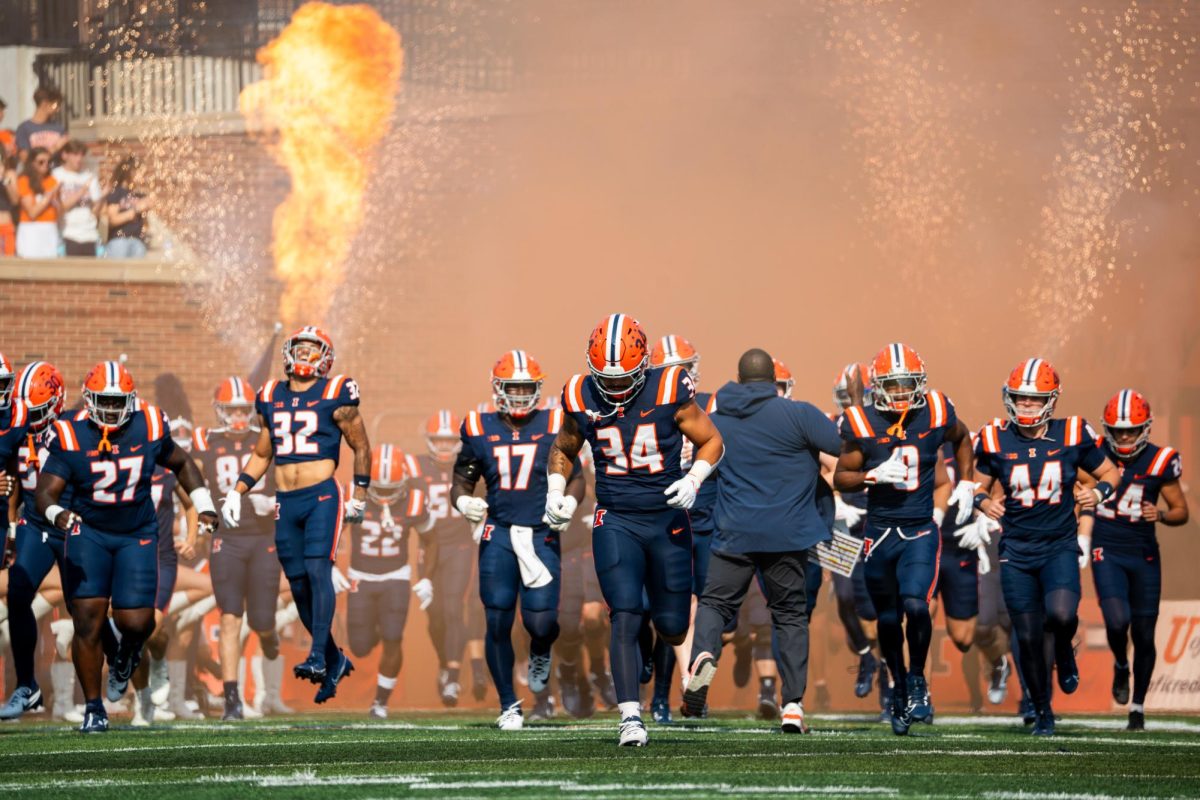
671,350
617,358
389,474
898,379
1128,413
516,383
109,394
441,436
42,389
8,382
308,353
1034,379
784,382
851,385
234,403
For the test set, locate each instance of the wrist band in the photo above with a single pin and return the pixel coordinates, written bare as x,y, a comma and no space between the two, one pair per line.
977,501
1104,489
246,479
362,481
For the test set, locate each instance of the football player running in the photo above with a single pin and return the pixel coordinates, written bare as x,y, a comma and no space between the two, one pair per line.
303,421
1037,459
635,422
519,552
1126,565
108,457
893,448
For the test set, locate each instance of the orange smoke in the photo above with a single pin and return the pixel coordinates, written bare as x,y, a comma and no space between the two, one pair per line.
328,91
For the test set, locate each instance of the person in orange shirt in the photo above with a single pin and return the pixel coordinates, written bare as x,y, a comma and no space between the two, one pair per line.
10,202
37,235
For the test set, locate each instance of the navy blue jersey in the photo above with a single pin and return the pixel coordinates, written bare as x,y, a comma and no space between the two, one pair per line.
513,462
919,445
437,479
112,488
379,549
14,430
1119,521
857,498
162,492
222,455
701,511
637,447
28,464
1038,476
301,423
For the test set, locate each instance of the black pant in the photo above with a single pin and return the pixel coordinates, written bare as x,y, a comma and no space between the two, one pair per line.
729,576
80,249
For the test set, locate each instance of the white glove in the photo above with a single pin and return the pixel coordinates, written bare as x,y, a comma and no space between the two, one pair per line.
682,493
974,535
846,512
1085,545
423,589
559,507
892,471
264,504
340,582
985,563
231,508
473,508
353,510
964,495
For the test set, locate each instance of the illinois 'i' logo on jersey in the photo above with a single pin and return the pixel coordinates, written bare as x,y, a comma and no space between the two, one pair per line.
596,523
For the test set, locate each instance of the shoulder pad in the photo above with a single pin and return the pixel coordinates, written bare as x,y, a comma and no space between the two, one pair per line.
267,390
334,387
858,422
20,413
66,435
200,438
1074,431
554,421
938,411
155,422
989,438
573,395
473,423
1158,466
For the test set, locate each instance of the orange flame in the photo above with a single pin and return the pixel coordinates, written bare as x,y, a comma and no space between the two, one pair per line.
329,91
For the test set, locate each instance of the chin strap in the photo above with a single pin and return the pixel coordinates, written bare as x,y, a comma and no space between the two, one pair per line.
32,459
897,430
105,446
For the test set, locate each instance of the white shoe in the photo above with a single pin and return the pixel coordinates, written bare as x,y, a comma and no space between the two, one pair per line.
377,711
792,720
74,716
250,712
539,673
511,719
162,715
160,684
273,706
633,733
143,709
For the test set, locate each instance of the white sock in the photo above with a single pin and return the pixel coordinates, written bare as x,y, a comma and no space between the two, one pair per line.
196,612
256,671
286,616
386,682
1139,707
41,606
631,709
179,601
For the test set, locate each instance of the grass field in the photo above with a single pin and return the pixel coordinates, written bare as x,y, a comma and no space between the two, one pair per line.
461,755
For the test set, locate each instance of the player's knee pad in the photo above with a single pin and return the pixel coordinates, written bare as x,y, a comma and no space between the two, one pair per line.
499,623
1116,613
915,607
1142,632
672,626
541,625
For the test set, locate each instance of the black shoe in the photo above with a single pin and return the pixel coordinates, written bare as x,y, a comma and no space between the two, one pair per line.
95,720
768,709
920,706
568,692
742,662
660,711
1044,723
1137,721
233,709
695,694
900,717
867,664
1068,672
885,698
312,669
1026,711
328,689
1121,684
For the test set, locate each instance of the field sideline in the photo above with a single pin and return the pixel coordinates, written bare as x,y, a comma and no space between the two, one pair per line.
461,755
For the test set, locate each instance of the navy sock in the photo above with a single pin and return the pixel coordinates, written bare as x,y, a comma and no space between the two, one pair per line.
626,655
320,582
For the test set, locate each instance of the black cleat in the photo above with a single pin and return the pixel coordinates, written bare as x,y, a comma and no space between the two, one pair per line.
329,685
867,664
312,669
768,709
1044,723
1026,711
1067,671
95,720
1120,689
1137,721
233,710
920,706
900,717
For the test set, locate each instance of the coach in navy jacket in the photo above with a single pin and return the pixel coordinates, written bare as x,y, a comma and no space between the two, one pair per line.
767,516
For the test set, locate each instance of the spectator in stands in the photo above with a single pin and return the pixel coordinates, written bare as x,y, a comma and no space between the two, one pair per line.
126,210
80,196
8,140
39,130
10,202
37,233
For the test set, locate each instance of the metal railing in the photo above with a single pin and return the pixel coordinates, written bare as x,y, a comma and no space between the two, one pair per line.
39,23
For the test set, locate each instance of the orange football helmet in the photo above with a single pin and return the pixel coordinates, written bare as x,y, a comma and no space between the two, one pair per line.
853,378
672,350
389,474
1128,411
783,379
42,389
898,379
617,358
308,353
441,436
8,382
1032,378
516,383
234,403
109,394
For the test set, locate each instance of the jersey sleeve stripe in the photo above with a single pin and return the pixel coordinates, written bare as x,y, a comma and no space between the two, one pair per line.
991,440
1159,465
414,502
268,389
712,403
858,422
20,412
937,404
153,422
414,469
666,386
556,417
200,439
474,428
334,387
574,395
67,434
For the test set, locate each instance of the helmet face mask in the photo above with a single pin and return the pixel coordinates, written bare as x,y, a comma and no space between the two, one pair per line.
517,398
8,382
1029,409
235,416
308,353
109,410
617,358
619,389
443,448
1127,421
899,392
1127,442
386,494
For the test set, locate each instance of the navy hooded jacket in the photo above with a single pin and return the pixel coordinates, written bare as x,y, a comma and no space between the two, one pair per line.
769,485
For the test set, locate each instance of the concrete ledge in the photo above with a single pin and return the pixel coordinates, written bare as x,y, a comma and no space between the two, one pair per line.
95,270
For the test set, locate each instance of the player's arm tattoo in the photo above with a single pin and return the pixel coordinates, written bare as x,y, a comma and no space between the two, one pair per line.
849,476
260,457
566,447
351,424
697,427
964,451
49,490
466,474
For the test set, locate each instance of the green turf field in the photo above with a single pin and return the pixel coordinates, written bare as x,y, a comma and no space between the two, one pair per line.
460,755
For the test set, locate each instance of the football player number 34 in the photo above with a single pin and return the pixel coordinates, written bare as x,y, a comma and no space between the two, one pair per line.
643,453
295,442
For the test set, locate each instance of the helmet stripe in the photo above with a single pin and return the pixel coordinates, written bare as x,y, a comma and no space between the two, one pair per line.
1123,410
27,378
614,338
385,464
1031,371
897,357
671,347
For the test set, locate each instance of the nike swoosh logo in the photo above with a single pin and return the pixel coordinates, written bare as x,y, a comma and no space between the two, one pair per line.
144,542
312,403
676,530
648,413
322,498
1053,452
537,436
135,449
923,435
